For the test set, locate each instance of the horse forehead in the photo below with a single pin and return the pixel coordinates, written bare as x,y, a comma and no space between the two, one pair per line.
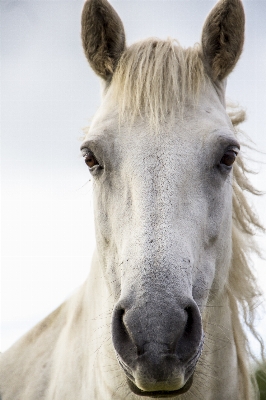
190,128
196,132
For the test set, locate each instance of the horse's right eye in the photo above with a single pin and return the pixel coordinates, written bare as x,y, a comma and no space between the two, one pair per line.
90,159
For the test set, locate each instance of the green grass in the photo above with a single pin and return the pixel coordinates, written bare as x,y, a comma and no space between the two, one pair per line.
261,380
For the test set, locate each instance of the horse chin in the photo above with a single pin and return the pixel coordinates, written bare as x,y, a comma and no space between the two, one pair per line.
158,394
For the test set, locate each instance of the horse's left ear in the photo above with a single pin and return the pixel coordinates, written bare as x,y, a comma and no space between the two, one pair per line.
223,38
103,37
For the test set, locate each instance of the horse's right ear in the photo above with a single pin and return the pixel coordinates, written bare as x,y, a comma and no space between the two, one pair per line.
103,37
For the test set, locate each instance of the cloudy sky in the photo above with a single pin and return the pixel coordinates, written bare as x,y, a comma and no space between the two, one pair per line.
48,93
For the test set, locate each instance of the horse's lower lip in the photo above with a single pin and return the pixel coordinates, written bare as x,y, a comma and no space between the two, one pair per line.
160,394
163,394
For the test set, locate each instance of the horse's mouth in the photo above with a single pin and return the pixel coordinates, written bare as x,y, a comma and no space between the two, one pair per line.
161,393
190,367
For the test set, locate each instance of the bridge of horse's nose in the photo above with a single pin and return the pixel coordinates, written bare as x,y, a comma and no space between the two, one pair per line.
141,334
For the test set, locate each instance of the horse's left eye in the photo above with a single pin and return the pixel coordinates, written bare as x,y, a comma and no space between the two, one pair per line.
228,158
90,159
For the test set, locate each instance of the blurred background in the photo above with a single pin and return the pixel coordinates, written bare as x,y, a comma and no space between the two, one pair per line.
48,94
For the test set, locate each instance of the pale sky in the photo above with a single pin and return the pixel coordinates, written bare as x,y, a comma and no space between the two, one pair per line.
48,93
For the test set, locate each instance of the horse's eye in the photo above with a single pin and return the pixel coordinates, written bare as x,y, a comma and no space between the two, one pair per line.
90,159
228,158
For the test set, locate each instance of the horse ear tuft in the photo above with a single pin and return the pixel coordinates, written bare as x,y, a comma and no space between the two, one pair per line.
223,38
103,37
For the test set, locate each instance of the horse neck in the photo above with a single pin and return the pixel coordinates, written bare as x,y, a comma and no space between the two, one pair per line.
86,337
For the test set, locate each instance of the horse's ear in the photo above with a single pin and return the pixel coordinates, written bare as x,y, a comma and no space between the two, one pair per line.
223,37
103,37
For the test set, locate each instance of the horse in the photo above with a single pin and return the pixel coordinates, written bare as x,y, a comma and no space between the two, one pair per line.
170,288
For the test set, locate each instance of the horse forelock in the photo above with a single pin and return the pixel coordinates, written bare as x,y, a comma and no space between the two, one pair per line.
156,78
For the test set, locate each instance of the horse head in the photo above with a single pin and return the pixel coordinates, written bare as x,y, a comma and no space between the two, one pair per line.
161,149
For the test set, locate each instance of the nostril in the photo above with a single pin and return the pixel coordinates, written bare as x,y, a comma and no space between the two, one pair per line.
122,340
120,315
192,333
119,328
140,350
190,321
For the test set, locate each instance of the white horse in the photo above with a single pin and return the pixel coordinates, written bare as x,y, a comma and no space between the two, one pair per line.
160,314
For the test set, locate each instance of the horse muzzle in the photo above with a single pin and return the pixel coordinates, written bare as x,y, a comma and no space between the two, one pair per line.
158,350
